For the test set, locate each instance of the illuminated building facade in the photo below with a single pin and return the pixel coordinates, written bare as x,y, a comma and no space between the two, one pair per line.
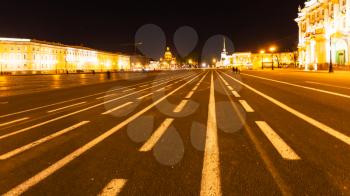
26,56
248,60
168,61
324,34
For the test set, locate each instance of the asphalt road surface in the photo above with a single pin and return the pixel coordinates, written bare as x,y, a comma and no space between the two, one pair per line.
199,132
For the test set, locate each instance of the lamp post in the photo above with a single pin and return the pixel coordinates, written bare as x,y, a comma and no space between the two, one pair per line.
272,50
262,52
330,56
214,63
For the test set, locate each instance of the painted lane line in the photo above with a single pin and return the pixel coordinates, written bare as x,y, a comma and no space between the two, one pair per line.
282,185
236,94
143,85
73,113
299,86
127,90
117,108
113,188
147,95
181,106
246,106
3,103
55,110
190,94
40,141
92,95
336,86
110,95
337,134
230,88
161,89
14,121
280,145
23,187
153,140
210,183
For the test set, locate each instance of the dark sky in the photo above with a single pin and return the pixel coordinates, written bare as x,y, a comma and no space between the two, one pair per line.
107,25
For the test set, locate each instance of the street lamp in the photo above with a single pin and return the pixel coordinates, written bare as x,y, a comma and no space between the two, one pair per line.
214,62
262,52
272,50
330,56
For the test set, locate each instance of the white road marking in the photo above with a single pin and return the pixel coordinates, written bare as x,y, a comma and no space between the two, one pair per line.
246,106
62,108
152,141
336,86
117,108
284,188
14,121
109,95
40,141
236,94
147,95
337,134
113,188
211,184
23,187
161,89
127,90
190,94
280,145
181,106
299,86
230,88
3,103
144,85
58,103
73,113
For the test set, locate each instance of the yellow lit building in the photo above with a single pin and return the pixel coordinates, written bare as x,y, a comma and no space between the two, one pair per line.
324,34
25,56
169,61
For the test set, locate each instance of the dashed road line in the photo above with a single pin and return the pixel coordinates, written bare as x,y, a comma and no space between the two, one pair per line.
152,141
62,108
299,86
144,96
71,114
40,141
83,97
280,145
14,121
210,183
181,106
326,129
329,85
113,188
127,90
27,184
109,95
246,106
235,93
284,188
117,108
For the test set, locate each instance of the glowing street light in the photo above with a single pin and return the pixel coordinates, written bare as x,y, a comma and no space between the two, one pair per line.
272,50
262,52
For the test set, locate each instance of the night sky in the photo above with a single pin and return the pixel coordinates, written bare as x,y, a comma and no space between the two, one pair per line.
110,26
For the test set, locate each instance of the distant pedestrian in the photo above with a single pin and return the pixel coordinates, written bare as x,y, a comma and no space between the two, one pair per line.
108,75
